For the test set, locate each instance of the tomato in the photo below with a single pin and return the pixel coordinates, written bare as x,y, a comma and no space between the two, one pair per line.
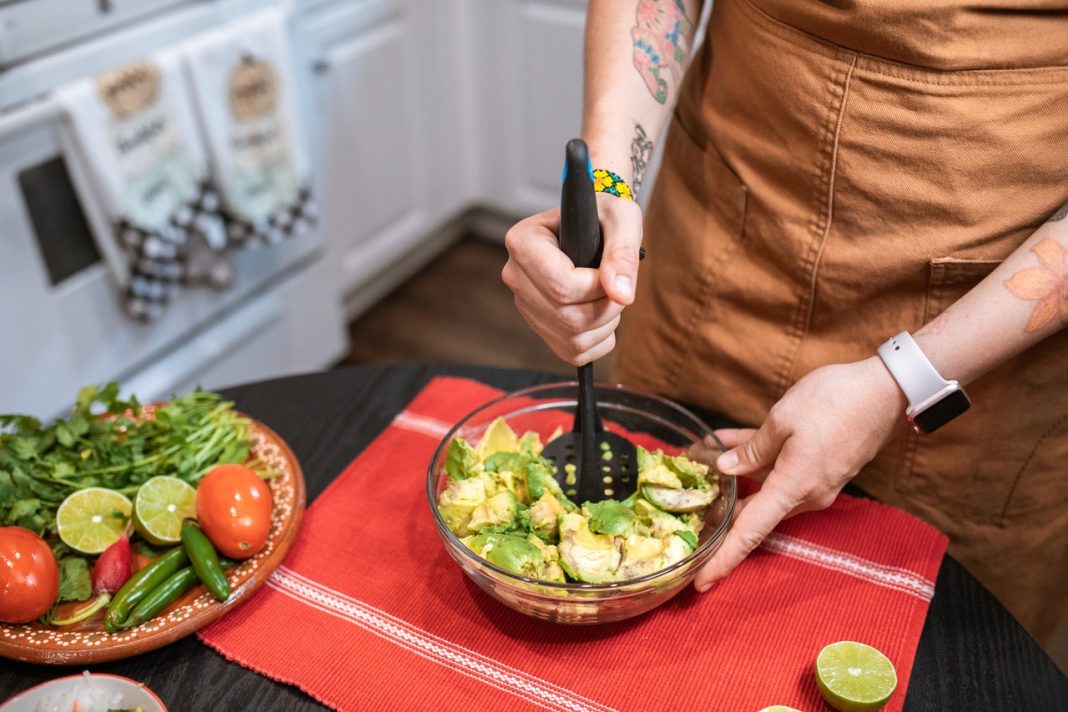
234,510
29,576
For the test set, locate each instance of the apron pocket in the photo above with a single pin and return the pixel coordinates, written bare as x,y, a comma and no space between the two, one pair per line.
721,198
963,468
1039,490
951,279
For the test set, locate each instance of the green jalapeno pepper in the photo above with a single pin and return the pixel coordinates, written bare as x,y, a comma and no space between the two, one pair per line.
140,585
204,559
163,595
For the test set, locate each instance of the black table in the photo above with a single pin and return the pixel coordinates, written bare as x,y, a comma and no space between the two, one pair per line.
973,655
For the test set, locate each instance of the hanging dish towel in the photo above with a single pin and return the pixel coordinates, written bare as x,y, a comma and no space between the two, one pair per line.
140,168
243,84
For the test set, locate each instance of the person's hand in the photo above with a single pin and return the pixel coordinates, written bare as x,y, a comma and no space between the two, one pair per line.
814,440
576,311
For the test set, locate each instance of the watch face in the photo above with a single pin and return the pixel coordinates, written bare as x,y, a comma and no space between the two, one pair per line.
934,417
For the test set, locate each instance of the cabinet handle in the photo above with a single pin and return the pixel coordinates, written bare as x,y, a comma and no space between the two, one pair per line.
320,66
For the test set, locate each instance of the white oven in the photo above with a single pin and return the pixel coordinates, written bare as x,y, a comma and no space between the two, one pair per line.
61,322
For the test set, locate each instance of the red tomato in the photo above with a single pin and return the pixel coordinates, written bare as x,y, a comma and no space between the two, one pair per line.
29,576
234,510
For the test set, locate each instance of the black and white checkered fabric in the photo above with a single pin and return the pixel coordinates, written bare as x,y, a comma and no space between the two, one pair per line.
159,258
293,220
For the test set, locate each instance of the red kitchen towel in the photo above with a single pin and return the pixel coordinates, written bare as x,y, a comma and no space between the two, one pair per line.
369,612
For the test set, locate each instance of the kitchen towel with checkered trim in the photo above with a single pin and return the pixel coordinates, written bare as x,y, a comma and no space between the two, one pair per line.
241,78
368,611
141,171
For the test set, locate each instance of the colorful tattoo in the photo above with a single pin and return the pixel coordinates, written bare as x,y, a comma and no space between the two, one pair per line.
1046,284
608,182
661,40
641,151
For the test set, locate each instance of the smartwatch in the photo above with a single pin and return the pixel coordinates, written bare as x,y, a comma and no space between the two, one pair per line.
933,401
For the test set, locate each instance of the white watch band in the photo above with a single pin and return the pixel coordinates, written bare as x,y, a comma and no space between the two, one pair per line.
909,366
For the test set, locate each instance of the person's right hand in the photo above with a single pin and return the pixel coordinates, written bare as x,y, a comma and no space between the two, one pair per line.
575,310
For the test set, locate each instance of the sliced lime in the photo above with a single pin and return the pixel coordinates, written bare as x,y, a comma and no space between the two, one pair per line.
779,708
160,506
92,519
854,677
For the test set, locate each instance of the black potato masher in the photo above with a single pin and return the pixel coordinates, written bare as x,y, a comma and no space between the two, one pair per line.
591,463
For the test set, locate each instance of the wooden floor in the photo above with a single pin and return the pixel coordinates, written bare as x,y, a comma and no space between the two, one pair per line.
456,310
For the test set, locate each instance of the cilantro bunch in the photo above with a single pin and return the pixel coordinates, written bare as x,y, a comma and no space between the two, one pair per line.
105,442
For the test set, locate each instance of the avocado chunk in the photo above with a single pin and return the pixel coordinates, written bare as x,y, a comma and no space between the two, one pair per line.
550,561
461,461
661,476
642,555
678,500
610,517
512,552
689,472
544,515
662,524
675,550
458,500
497,513
499,437
586,556
530,444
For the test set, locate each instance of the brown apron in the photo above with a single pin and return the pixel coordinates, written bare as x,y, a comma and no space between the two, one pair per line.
816,198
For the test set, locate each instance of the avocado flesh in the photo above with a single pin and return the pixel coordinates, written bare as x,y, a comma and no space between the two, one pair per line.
499,512
506,505
609,517
642,555
678,500
458,501
586,556
661,475
512,552
545,514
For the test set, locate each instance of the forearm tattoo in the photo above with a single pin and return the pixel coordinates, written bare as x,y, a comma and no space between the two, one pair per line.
661,42
641,151
1047,284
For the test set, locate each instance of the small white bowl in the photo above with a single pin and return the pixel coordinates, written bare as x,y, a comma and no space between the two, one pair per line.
111,691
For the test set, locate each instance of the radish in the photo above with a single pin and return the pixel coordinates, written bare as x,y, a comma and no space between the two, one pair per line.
112,569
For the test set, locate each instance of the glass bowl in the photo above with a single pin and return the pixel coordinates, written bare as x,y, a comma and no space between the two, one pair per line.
648,419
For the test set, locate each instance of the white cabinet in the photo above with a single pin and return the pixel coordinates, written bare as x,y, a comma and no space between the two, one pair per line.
379,141
528,78
419,110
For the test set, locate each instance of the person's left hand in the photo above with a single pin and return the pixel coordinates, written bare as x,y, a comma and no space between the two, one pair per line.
814,440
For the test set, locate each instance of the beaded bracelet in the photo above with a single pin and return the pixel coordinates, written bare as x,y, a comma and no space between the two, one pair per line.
608,182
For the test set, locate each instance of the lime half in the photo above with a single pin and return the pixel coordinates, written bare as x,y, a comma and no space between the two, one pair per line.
853,676
160,506
92,519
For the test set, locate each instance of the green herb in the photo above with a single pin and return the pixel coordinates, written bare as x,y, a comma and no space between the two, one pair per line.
105,442
75,583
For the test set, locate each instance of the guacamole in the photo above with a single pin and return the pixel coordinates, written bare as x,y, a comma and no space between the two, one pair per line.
503,502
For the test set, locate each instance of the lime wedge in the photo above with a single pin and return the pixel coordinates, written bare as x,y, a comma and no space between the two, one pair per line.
853,677
160,506
779,708
92,519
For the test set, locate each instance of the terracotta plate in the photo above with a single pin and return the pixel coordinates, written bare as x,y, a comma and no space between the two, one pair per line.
88,642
